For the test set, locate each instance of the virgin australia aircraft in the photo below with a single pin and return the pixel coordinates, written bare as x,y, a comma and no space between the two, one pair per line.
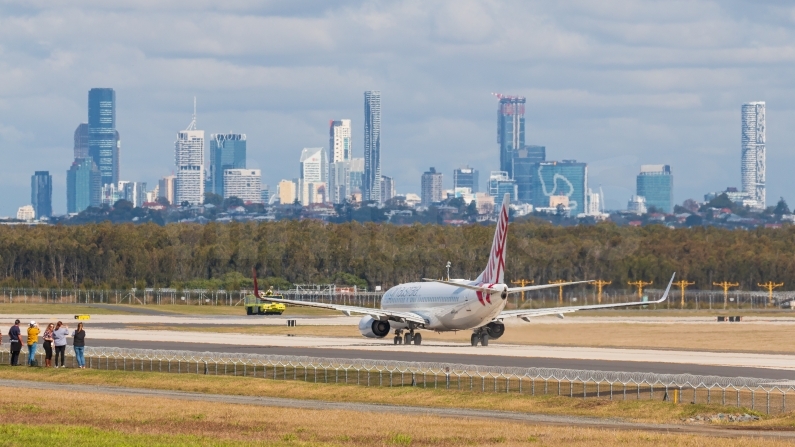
455,304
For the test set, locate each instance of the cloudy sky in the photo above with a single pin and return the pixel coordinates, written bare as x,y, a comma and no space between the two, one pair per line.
613,83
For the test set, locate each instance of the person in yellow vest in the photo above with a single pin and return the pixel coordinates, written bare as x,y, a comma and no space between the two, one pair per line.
33,342
269,292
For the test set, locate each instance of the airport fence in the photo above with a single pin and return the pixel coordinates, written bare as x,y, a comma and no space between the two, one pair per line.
572,296
762,395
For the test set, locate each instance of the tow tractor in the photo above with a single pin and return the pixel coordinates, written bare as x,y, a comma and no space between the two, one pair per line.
261,306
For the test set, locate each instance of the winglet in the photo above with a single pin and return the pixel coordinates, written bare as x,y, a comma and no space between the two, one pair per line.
667,289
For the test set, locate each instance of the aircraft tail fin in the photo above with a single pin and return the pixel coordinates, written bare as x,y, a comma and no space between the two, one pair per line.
495,269
256,288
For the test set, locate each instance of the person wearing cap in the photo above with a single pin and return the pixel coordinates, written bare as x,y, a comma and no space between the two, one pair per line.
33,342
15,340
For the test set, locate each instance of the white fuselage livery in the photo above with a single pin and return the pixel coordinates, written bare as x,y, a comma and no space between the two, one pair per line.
444,307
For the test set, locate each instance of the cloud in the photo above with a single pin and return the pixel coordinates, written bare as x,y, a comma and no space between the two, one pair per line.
629,81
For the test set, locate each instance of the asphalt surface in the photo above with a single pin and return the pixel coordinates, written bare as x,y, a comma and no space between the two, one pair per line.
458,413
598,365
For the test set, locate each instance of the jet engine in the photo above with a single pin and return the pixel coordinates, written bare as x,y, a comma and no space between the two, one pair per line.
504,294
495,329
372,328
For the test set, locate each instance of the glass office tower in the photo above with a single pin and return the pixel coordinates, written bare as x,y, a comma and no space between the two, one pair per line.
227,151
560,178
656,184
103,141
41,193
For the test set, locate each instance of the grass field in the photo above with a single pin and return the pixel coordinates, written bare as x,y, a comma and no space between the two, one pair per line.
59,309
69,418
29,417
740,337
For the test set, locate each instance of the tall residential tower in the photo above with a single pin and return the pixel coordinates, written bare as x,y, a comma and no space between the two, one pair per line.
371,183
339,141
189,159
752,167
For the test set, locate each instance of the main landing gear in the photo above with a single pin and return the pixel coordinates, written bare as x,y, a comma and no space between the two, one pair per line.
480,336
408,338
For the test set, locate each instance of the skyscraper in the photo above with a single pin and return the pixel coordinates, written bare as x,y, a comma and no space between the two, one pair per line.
339,141
81,141
41,194
227,151
167,188
567,178
103,141
313,175
82,185
371,182
510,129
524,161
752,167
387,188
189,159
431,191
656,184
466,178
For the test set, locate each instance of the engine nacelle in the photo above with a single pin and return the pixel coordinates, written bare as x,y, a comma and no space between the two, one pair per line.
372,328
495,329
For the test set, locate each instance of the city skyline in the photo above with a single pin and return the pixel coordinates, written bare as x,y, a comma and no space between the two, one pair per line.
661,81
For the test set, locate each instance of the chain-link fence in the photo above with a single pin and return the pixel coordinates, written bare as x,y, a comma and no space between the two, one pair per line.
762,395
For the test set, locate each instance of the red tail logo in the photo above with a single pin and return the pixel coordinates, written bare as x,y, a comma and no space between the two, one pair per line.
495,269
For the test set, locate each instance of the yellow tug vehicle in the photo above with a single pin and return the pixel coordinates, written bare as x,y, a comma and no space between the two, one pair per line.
261,306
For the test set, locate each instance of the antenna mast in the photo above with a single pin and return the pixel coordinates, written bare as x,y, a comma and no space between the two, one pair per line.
192,125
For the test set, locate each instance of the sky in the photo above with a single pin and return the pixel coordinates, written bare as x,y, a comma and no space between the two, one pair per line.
614,83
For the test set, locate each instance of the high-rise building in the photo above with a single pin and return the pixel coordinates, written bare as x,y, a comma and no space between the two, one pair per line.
83,185
313,175
371,182
466,178
656,184
245,184
167,187
81,141
339,141
26,212
227,151
553,179
286,192
510,129
387,188
103,140
524,161
265,194
133,192
339,181
431,191
500,183
356,175
189,159
41,193
752,167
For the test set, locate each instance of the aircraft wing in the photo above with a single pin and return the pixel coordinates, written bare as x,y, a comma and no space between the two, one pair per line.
509,289
526,314
347,310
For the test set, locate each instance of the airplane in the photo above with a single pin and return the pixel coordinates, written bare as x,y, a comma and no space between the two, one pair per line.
454,304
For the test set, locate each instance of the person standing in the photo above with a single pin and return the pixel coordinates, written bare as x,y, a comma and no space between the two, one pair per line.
15,340
33,342
48,345
59,340
79,342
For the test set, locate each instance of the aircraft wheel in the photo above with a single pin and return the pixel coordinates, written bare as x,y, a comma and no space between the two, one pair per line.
407,339
475,339
397,339
418,339
484,339
248,311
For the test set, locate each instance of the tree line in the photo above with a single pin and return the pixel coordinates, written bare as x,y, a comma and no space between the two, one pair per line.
301,252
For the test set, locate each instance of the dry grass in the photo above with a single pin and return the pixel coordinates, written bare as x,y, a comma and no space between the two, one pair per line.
653,411
739,337
164,420
123,309
11,309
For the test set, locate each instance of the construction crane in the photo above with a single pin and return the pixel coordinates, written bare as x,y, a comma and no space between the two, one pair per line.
599,284
770,285
682,285
640,284
522,283
726,286
560,289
